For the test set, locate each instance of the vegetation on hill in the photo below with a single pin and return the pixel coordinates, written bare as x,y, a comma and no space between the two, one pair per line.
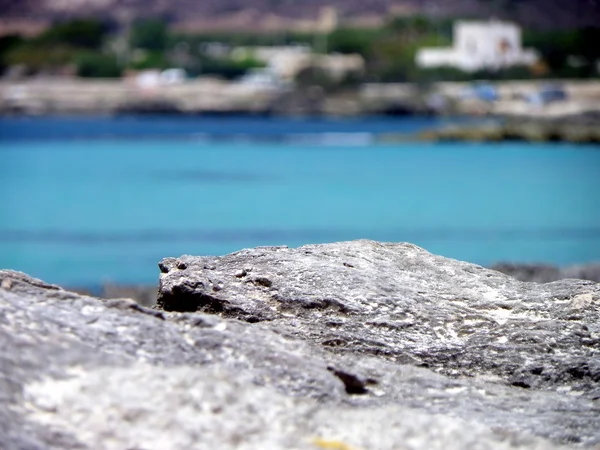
92,48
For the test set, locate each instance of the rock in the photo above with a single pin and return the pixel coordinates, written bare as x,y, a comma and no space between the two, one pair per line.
576,129
539,273
144,295
358,345
152,105
545,273
401,303
308,101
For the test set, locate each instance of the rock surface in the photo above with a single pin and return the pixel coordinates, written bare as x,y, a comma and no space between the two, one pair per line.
355,345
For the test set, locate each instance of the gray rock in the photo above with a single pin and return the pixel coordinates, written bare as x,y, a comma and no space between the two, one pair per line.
403,304
317,347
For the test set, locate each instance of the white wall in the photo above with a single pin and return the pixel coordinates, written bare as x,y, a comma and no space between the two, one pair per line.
479,45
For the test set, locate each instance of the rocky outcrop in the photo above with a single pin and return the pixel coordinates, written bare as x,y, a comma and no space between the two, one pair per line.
360,345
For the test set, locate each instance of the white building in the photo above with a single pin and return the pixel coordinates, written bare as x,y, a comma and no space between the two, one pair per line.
480,45
286,61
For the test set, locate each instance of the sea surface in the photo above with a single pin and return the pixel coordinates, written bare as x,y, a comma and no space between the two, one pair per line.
92,200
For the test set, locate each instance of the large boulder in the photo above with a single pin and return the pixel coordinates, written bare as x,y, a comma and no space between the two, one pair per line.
360,345
402,304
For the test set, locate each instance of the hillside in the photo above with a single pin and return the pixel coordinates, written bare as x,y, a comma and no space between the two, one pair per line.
299,14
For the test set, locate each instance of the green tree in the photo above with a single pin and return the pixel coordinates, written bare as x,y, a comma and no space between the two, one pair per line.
7,44
228,68
97,65
559,47
350,40
81,33
151,60
150,34
36,57
57,47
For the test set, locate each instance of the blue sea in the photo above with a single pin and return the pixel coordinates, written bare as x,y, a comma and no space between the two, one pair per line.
93,200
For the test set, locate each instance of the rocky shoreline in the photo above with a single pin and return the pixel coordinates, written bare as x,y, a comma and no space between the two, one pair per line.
576,119
584,128
351,345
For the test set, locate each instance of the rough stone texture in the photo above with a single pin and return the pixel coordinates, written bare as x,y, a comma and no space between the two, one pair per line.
358,345
401,303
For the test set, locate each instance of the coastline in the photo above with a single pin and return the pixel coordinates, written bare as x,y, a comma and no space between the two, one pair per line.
510,117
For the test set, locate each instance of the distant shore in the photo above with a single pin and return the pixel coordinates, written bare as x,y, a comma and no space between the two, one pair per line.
60,96
576,119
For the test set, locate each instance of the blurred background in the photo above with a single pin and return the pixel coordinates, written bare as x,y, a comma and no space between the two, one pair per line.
132,130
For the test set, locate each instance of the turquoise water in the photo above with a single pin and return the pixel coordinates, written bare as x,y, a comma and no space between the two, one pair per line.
85,211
